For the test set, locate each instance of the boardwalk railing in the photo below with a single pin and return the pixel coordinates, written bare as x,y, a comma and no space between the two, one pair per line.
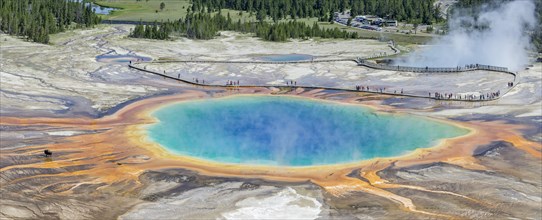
144,69
472,67
381,54
360,62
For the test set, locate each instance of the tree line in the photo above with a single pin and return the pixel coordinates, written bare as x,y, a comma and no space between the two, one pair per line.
423,11
35,20
207,26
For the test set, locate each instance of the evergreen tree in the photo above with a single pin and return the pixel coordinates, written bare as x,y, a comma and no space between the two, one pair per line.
403,10
162,6
207,26
35,20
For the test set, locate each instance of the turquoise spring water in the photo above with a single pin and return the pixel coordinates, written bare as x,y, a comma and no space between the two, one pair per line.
286,131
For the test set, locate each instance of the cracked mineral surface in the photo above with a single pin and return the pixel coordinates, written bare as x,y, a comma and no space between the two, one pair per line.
60,97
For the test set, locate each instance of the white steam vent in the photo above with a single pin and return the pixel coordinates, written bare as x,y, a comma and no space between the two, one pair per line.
500,39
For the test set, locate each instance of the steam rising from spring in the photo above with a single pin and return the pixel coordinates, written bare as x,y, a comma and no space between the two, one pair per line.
286,131
500,38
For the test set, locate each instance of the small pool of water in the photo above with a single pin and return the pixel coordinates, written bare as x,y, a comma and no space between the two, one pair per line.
120,58
102,10
286,57
97,8
285,131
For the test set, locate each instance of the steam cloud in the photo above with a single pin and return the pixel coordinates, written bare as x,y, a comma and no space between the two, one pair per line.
502,41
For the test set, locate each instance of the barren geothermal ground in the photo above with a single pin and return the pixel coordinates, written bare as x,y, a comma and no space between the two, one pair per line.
91,114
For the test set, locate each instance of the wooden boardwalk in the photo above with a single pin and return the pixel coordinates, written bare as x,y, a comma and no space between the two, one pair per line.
133,66
459,69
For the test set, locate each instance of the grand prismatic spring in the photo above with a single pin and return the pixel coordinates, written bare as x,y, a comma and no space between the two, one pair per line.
290,131
267,109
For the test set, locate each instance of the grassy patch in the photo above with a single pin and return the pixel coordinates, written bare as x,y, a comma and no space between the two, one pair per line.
144,10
